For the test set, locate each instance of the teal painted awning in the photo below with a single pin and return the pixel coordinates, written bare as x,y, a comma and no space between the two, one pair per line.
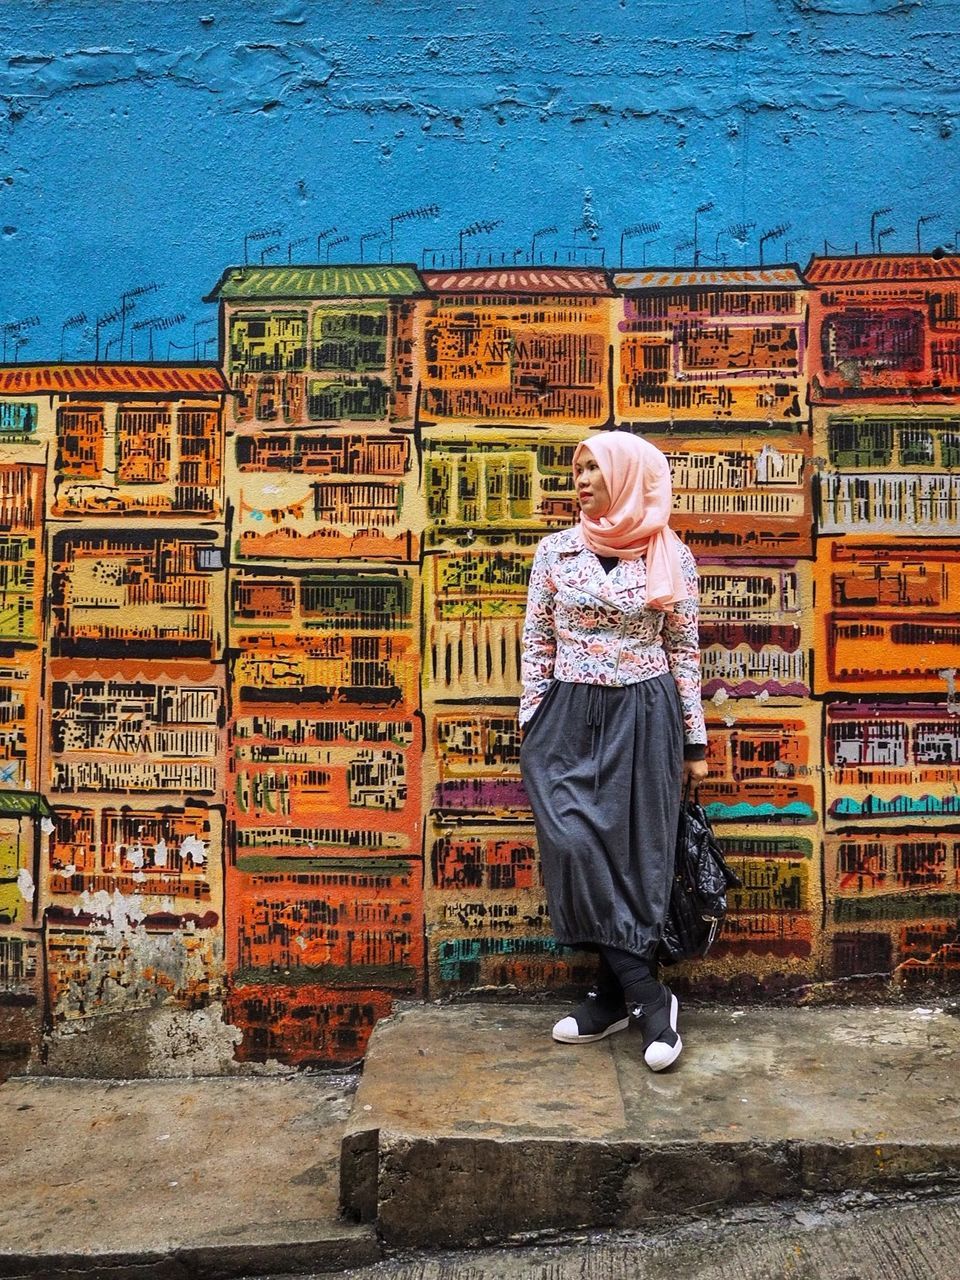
23,804
273,283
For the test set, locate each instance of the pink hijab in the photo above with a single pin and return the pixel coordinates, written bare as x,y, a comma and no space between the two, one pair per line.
636,523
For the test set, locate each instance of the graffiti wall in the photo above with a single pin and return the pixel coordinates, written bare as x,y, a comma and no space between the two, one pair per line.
261,600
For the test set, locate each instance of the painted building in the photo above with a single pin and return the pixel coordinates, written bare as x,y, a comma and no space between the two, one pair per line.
324,881
515,368
129,530
711,365
884,387
23,809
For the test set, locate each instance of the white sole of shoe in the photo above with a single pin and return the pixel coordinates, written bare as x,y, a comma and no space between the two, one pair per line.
658,1056
564,1036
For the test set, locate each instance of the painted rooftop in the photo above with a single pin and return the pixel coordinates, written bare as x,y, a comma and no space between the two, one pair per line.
24,379
725,278
17,804
886,266
270,283
532,280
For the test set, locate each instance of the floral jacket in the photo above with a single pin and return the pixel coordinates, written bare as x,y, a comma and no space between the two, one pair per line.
586,626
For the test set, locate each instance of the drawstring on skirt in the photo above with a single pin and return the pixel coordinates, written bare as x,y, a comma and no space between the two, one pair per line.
595,719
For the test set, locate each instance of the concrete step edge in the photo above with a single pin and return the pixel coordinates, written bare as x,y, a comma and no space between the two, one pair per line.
350,1245
461,1191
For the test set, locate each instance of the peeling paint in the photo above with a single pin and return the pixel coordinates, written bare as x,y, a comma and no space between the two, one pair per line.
856,8
193,849
197,1042
25,885
770,464
118,912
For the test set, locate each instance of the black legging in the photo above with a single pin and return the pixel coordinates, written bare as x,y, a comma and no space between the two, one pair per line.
635,976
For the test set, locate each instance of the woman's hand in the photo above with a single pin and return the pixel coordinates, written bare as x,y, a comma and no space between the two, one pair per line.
694,771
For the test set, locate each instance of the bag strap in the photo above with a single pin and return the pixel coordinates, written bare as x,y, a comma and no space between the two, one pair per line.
691,791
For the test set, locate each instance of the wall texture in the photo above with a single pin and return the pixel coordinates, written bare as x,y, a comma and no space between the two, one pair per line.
265,527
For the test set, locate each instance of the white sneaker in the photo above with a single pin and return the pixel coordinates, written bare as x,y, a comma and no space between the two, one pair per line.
658,1054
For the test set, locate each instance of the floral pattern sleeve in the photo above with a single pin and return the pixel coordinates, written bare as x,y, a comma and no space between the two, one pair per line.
681,643
539,636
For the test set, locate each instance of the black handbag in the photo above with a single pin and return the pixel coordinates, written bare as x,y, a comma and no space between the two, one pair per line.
698,893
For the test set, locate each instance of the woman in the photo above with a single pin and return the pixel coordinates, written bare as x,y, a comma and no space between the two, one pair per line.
613,726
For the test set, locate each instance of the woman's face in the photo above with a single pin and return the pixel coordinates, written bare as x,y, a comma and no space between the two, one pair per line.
592,492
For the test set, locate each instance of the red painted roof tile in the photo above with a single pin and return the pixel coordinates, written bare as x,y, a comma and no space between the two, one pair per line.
520,280
710,278
880,267
27,379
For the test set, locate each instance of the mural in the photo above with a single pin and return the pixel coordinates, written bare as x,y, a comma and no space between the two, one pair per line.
304,311
260,632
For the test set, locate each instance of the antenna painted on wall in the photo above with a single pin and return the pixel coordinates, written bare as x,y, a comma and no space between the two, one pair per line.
158,324
680,247
127,298
701,208
264,233
482,227
541,231
370,235
775,233
638,229
74,322
877,213
411,215
324,235
922,222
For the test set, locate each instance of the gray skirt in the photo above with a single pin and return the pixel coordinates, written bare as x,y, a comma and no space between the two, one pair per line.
603,768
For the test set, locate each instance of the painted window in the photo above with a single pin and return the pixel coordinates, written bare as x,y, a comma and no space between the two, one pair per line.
352,339
17,419
268,342
80,441
143,443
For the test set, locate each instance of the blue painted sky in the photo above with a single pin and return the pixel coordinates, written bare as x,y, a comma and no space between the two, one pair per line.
141,141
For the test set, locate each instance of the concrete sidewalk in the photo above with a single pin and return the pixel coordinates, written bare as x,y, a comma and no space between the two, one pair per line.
174,1178
470,1126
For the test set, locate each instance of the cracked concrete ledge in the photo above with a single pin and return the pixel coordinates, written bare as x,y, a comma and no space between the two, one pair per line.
326,1252
470,1126
197,1179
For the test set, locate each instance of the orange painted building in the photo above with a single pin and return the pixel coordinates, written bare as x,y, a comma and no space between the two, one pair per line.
884,328
711,365
324,902
515,369
517,345
724,348
133,694
125,440
885,384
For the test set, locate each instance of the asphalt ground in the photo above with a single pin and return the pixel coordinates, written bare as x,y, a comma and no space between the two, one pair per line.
851,1237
